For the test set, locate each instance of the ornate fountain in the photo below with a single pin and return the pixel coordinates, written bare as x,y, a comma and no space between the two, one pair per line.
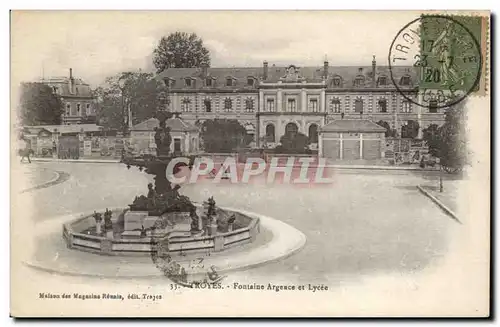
163,218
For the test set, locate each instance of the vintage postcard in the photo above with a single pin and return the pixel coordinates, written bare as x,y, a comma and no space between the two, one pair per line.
250,164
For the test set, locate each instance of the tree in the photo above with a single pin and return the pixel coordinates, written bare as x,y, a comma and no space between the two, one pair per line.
448,142
453,139
410,130
180,50
39,105
293,143
140,92
389,131
432,139
223,135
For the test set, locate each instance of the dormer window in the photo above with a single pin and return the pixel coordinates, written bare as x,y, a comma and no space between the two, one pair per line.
405,80
229,81
168,82
382,80
337,81
188,82
359,80
250,81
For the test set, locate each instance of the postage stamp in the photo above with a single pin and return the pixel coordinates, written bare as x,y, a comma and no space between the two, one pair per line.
257,164
448,52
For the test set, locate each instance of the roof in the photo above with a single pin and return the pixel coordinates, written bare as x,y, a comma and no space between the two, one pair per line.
66,129
62,86
352,125
176,125
35,130
240,75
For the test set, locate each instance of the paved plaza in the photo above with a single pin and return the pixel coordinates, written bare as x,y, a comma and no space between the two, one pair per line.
370,221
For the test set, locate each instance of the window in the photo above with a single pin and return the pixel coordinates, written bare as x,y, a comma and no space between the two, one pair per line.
337,81
358,105
185,105
88,109
208,82
359,81
433,106
270,105
382,105
68,109
188,82
313,133
313,105
407,106
250,81
405,80
249,105
291,105
270,133
228,104
229,81
78,107
208,105
335,105
382,80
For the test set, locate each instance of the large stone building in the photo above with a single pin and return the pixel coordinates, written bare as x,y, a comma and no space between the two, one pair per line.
270,100
78,101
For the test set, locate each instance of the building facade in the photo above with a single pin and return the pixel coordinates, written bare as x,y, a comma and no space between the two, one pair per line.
271,100
185,136
76,96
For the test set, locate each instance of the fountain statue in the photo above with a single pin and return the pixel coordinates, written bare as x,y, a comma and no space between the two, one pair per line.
163,198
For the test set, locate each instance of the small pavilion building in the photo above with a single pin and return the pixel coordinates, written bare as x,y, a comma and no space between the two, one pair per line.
185,136
351,139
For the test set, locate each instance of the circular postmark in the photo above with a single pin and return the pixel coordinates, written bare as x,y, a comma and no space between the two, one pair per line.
184,269
445,58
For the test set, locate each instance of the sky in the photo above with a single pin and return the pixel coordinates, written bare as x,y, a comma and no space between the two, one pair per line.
97,44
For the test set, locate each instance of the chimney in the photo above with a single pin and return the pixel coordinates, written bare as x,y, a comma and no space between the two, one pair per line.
266,69
71,81
374,68
204,70
325,68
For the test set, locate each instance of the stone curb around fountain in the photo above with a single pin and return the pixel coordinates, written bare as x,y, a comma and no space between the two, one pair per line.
286,240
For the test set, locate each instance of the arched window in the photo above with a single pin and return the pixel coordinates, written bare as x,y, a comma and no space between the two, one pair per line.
382,80
337,81
291,128
359,81
208,105
433,106
405,80
185,105
382,105
358,105
228,104
249,105
313,133
270,133
335,105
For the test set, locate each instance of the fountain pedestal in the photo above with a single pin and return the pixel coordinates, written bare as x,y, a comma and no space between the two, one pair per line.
177,224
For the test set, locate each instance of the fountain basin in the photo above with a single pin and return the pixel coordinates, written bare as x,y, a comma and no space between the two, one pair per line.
77,236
